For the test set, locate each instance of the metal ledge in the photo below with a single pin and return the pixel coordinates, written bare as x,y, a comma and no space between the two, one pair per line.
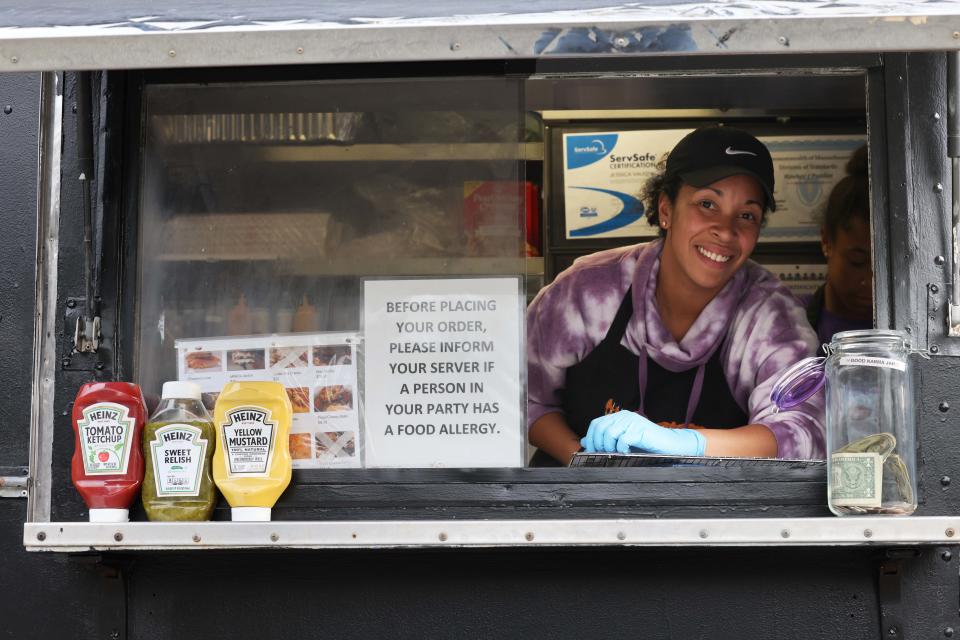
141,536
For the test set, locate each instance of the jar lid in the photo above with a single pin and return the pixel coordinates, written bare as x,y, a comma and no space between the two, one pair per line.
891,337
181,390
799,382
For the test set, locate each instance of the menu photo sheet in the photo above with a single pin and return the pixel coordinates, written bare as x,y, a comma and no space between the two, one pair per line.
318,371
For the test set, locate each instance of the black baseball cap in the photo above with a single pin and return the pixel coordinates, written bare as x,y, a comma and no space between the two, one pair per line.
713,153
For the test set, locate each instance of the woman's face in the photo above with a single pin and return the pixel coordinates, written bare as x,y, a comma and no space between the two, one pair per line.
711,231
850,269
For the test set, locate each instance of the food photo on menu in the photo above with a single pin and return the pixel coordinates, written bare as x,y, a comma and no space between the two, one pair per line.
333,398
289,357
300,446
299,399
245,360
332,355
335,444
203,360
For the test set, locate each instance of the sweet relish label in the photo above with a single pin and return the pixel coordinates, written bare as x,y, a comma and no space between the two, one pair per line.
106,431
178,452
247,434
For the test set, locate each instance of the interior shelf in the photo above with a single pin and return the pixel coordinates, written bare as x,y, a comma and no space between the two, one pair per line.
413,152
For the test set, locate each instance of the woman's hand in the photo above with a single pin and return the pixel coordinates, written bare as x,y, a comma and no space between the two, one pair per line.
626,430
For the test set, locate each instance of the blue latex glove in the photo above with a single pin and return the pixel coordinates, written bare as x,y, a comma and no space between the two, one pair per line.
624,431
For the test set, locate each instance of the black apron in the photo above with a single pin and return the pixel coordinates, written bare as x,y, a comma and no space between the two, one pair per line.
610,374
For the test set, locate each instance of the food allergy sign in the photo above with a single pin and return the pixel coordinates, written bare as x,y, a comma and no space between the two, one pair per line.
442,372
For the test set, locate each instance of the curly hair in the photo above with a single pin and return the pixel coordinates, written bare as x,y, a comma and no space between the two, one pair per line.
650,194
850,198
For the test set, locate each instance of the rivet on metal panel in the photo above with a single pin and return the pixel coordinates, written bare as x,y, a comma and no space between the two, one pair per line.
300,50
41,536
938,188
14,59
956,35
945,481
8,109
443,537
621,535
196,538
454,46
529,535
950,532
934,349
948,632
784,40
785,533
703,533
939,261
172,53
274,537
118,536
867,533
934,288
944,406
946,555
936,116
893,631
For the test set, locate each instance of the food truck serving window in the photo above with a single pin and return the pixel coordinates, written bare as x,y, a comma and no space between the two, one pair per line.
373,244
362,242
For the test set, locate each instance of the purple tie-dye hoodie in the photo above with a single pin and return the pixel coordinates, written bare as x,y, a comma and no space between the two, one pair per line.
762,325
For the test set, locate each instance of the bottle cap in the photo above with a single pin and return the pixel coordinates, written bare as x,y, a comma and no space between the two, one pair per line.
181,390
250,514
109,515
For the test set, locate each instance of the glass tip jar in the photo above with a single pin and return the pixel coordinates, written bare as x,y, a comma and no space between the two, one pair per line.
870,420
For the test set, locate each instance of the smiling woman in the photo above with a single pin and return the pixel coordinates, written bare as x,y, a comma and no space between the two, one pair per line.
672,347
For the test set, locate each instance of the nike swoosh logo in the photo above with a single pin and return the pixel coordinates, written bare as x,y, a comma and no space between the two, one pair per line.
736,152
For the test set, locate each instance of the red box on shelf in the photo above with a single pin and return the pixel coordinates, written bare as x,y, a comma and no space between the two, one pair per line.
500,216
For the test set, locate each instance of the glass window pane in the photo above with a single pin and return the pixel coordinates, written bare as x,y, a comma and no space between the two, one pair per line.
270,212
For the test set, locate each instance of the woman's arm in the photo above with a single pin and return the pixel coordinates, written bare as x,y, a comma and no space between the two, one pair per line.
752,440
769,334
551,433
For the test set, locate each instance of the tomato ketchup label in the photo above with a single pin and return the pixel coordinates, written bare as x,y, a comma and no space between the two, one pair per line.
247,434
106,434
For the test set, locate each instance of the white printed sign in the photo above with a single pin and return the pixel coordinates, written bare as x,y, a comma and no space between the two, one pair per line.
442,373
319,372
802,279
805,170
603,174
870,361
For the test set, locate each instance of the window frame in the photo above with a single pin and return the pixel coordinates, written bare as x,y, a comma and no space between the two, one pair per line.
502,495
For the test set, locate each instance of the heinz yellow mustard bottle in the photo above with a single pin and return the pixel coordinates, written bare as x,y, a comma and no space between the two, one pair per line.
251,465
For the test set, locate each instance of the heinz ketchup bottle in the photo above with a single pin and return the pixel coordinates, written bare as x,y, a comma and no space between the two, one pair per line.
107,467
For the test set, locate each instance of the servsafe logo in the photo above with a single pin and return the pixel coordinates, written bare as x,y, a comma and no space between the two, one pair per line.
585,149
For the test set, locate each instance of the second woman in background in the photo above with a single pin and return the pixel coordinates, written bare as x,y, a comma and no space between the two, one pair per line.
845,301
